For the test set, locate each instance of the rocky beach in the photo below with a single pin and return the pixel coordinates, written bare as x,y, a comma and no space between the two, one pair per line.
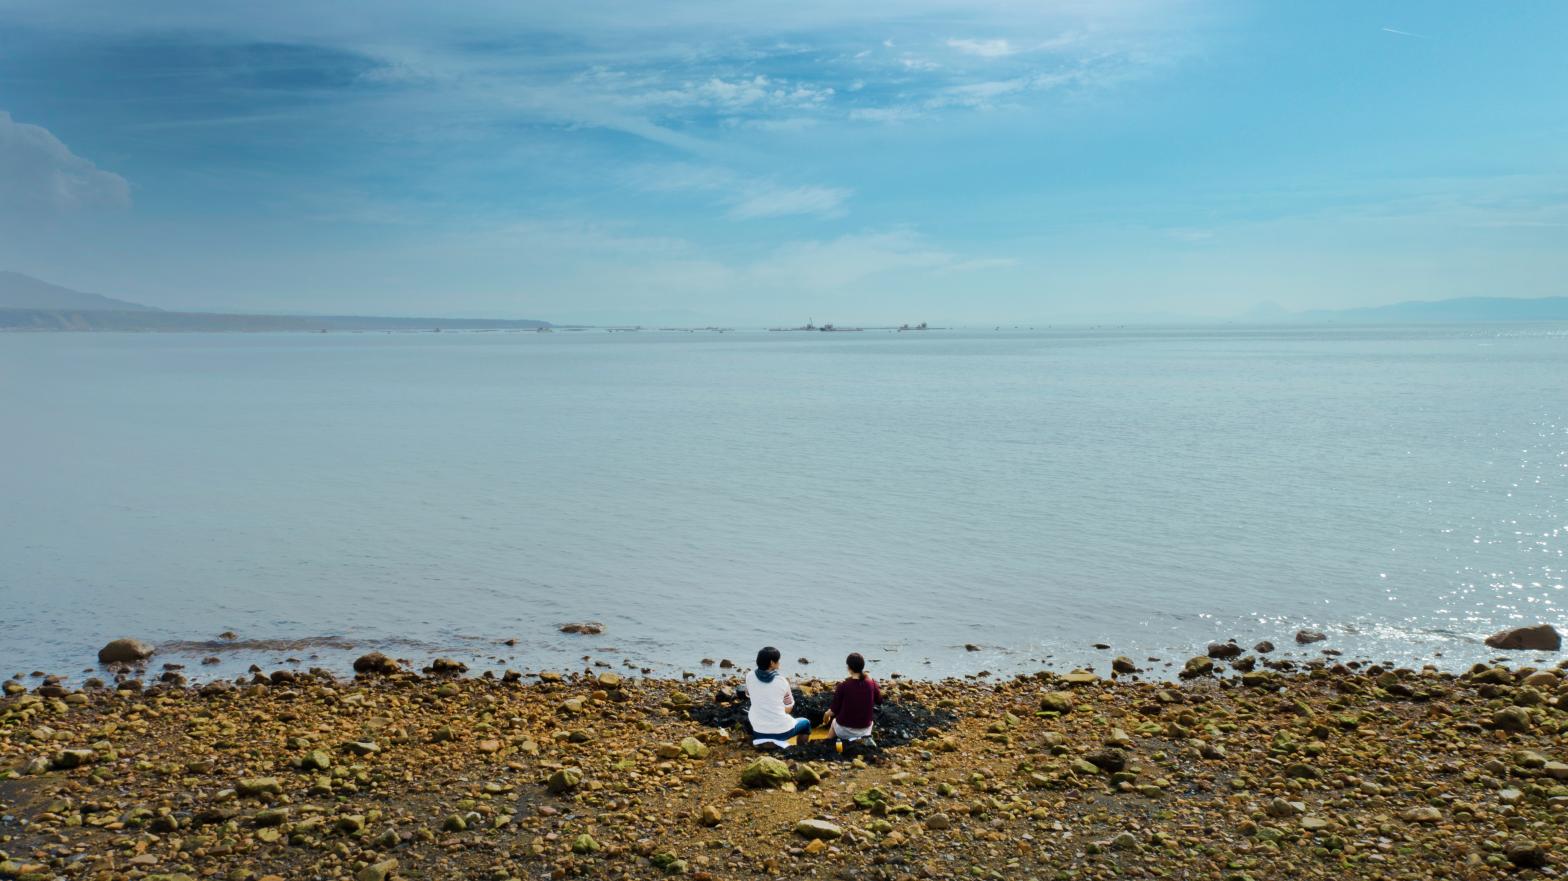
1237,771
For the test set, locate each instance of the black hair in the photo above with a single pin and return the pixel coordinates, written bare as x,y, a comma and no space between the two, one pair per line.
855,662
767,657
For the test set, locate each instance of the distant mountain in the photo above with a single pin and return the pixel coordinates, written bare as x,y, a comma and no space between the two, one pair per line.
18,291
1462,309
27,303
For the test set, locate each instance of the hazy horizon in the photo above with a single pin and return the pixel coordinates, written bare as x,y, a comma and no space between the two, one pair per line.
699,163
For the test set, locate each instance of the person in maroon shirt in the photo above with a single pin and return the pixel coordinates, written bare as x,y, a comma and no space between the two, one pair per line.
854,703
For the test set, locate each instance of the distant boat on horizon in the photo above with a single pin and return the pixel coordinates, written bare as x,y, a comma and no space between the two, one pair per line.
811,325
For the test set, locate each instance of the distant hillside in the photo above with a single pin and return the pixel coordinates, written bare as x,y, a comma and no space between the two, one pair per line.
215,322
18,291
1462,309
27,303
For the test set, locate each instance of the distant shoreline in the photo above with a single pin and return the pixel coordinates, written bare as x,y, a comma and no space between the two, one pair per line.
58,320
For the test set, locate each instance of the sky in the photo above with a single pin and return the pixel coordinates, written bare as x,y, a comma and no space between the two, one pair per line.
745,163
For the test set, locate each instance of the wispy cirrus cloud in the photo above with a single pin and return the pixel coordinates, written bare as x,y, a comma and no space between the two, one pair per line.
743,198
996,48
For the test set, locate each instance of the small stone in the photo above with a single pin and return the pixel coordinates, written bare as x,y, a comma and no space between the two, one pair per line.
74,758
1123,664
584,844
1306,637
1281,808
1263,647
693,748
316,760
1224,650
454,823
711,816
1196,667
377,871
937,822
818,829
1423,814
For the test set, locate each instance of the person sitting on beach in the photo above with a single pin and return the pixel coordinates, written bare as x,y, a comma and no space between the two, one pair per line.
771,701
854,703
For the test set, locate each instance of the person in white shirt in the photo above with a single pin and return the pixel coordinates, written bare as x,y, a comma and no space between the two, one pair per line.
771,701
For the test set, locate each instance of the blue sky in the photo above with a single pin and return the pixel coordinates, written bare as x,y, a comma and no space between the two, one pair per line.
750,163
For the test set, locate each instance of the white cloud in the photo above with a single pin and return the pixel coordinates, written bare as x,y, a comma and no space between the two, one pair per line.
983,48
41,178
744,198
770,201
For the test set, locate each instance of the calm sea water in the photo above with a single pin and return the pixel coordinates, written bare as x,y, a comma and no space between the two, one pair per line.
1403,489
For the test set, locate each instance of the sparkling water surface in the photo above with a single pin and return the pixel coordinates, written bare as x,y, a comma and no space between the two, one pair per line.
1404,489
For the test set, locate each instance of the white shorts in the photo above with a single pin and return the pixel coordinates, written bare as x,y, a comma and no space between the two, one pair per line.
843,733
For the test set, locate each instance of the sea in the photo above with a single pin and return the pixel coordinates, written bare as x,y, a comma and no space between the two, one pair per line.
979,502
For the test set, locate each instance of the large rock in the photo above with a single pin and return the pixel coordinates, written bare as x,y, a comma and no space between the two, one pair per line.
257,786
124,651
563,781
1526,854
1196,667
375,664
1540,638
766,773
1224,649
1305,637
1057,702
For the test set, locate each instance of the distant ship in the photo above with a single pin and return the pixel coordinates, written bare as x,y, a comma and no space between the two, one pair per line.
920,326
811,325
